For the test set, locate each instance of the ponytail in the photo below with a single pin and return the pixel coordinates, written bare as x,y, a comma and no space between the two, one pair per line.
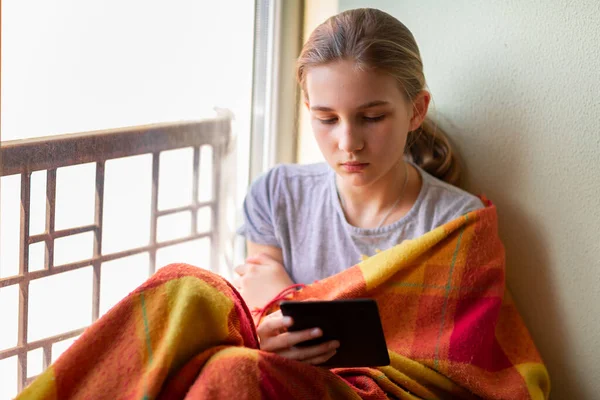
429,148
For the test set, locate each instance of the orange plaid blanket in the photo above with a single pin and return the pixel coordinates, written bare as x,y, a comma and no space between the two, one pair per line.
450,325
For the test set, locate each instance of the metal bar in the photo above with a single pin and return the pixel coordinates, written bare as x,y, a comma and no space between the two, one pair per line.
23,285
40,343
23,348
191,208
44,273
216,196
49,153
173,242
47,356
97,264
62,233
19,156
12,280
195,190
154,213
41,237
50,217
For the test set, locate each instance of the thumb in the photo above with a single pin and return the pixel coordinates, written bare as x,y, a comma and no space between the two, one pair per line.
241,269
259,258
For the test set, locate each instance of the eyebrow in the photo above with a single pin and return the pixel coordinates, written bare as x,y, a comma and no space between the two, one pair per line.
361,107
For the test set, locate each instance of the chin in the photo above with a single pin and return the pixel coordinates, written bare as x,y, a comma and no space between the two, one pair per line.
356,179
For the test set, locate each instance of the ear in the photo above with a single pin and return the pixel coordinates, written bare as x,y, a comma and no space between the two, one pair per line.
420,107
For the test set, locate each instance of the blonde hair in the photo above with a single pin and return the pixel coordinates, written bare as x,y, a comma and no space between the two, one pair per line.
374,39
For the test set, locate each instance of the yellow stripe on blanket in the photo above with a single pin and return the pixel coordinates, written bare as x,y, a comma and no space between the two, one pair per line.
381,266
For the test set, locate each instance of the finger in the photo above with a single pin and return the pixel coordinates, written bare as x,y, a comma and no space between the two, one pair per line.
241,269
286,322
289,339
237,283
312,352
254,259
260,258
320,359
275,314
256,256
272,325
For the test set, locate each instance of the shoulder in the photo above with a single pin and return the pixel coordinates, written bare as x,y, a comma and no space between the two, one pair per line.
447,201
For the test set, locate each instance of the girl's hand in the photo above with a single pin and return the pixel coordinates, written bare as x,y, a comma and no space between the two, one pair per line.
260,279
275,338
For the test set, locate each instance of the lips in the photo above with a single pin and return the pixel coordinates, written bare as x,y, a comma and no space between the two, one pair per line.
354,166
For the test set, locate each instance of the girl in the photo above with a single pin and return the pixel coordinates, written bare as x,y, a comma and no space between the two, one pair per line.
450,331
388,176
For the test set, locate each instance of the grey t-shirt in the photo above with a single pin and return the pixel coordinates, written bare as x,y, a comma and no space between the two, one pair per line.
296,207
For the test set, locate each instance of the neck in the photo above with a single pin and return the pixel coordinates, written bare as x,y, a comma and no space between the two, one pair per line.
365,206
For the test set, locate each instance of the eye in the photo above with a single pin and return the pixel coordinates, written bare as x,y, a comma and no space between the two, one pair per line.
328,121
374,119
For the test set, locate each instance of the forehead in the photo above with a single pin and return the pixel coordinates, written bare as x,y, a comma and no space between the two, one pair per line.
342,84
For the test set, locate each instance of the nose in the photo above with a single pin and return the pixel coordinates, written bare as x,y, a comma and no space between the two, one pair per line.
350,139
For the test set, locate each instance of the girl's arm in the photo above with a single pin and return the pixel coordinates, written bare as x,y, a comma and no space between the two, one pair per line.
254,249
262,276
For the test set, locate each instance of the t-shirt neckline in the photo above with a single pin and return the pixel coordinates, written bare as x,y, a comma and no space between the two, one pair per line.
356,231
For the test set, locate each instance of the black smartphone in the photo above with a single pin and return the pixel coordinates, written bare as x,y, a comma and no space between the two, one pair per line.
354,323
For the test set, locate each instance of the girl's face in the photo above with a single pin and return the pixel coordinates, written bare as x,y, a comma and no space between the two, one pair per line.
360,119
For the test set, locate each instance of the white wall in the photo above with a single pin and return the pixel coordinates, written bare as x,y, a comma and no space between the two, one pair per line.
315,12
516,84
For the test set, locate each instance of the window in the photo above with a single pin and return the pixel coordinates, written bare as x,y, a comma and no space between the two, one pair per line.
70,66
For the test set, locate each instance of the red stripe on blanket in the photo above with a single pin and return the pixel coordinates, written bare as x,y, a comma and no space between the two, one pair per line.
473,339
